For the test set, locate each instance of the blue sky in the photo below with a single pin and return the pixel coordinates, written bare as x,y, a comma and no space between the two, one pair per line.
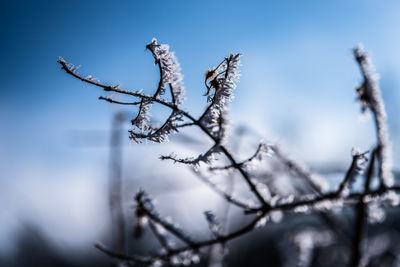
296,87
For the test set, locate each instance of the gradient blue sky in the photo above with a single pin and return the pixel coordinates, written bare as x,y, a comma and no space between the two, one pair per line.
296,87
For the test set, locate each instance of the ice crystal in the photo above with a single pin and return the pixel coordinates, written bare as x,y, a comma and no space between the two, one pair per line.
160,134
223,85
302,209
263,151
307,240
262,189
262,221
207,158
369,95
146,206
392,198
143,117
376,214
157,263
185,258
276,216
170,71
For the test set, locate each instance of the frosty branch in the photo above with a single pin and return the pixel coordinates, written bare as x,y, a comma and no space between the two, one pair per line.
213,122
222,82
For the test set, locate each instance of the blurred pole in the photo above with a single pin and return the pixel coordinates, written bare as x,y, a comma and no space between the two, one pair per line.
115,185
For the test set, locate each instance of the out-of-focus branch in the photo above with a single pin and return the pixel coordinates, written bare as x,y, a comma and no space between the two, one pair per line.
370,97
356,164
301,170
361,214
194,246
310,202
160,236
226,195
145,207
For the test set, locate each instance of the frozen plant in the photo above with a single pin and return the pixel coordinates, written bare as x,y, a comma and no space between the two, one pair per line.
266,204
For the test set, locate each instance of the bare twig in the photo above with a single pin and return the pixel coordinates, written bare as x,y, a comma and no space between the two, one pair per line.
262,148
160,236
361,217
312,179
229,197
358,160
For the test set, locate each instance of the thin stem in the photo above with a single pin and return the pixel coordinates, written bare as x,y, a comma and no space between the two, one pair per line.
194,246
185,125
300,170
350,173
224,194
110,100
370,96
361,217
170,227
245,176
351,198
160,237
122,256
227,167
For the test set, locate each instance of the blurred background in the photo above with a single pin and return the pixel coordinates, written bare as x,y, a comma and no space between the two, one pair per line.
296,89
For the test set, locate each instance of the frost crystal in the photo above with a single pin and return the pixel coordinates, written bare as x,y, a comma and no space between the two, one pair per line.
169,75
306,241
170,71
369,95
360,158
393,198
223,85
263,151
262,189
185,258
276,216
207,157
376,214
302,209
146,206
262,221
161,134
282,200
157,263
142,119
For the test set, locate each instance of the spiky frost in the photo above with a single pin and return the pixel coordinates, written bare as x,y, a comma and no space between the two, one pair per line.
369,95
223,85
170,71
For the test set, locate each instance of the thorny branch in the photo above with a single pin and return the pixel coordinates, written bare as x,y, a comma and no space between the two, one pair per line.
220,82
